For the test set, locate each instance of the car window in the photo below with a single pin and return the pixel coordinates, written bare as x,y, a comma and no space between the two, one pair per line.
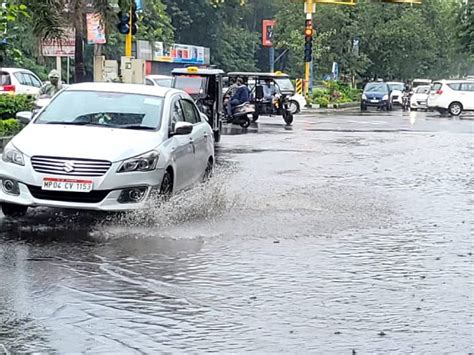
396,86
149,82
436,86
34,80
191,115
22,79
467,87
376,87
5,79
455,86
422,89
164,82
108,109
176,114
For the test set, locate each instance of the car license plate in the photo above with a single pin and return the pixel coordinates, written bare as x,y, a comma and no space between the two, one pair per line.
374,101
69,185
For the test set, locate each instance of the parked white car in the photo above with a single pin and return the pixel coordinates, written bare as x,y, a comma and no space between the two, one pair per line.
452,96
418,100
297,102
159,80
19,81
396,92
108,147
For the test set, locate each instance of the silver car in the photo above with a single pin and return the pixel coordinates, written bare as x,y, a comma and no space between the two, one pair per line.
107,147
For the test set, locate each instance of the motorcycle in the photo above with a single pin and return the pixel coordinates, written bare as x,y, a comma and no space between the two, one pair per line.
406,101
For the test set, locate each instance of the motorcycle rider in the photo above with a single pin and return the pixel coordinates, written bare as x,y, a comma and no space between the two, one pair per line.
51,87
241,96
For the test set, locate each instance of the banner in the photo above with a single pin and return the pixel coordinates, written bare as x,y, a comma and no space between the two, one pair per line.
64,47
95,29
267,33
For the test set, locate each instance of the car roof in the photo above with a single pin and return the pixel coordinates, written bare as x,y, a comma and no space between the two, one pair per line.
264,75
123,88
452,81
198,71
14,70
158,76
395,82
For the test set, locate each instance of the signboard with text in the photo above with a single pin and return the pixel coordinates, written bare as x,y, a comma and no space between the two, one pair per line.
267,33
64,47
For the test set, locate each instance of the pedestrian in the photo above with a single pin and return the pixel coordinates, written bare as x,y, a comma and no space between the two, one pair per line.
51,87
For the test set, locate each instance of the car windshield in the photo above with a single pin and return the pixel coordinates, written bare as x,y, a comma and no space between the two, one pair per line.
191,84
376,87
396,86
285,84
422,89
107,109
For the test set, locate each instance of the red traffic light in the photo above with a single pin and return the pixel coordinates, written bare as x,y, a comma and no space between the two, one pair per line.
308,32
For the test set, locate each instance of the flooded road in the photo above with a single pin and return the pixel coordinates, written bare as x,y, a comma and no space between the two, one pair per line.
343,233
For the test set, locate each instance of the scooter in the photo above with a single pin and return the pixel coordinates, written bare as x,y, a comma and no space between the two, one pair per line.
241,114
406,101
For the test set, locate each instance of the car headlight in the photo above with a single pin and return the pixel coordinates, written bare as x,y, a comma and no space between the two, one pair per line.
364,97
385,97
13,155
144,162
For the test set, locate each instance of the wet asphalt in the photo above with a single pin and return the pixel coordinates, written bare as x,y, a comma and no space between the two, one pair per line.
345,233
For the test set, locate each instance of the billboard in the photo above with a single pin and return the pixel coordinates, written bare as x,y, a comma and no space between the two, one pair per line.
181,53
267,33
95,29
64,47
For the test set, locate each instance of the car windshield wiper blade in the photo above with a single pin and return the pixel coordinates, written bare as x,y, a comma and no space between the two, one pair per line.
135,126
67,123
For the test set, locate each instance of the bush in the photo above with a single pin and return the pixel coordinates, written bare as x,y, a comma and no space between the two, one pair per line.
322,101
9,127
10,105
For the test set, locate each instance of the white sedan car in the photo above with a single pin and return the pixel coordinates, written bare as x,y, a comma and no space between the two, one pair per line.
19,81
108,147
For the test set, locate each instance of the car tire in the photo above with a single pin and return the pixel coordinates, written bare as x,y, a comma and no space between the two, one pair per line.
363,107
13,210
209,171
296,105
455,108
166,187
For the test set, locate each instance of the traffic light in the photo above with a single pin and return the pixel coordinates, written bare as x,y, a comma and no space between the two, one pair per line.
308,41
124,22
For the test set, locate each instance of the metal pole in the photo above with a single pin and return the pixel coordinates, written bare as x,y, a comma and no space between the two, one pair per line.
58,67
128,38
309,16
68,63
272,59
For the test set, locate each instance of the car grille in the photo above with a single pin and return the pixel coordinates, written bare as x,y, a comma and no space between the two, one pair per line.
395,97
94,196
70,166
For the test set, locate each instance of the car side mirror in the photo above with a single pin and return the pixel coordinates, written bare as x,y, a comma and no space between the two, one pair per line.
182,129
24,116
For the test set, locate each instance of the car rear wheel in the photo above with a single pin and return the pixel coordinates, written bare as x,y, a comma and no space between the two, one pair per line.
294,107
13,210
455,109
166,188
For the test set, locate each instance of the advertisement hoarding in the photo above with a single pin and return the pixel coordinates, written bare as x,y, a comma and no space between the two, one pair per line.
64,47
267,33
95,29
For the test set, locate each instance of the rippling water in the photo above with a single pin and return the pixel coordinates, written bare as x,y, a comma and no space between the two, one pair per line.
306,241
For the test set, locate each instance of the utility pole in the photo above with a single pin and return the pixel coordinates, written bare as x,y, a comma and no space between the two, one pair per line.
129,36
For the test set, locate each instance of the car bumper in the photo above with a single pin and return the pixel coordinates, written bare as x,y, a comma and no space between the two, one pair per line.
419,105
105,195
397,100
372,103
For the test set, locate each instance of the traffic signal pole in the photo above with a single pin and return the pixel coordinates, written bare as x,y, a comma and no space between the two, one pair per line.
309,9
129,36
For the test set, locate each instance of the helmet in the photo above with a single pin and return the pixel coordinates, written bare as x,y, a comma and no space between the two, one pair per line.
53,74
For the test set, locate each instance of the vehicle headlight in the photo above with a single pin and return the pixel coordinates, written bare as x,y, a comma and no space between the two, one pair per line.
385,97
13,155
364,97
144,162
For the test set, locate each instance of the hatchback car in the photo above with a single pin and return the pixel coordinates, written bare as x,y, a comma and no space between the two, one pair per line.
106,147
376,94
418,100
452,96
159,80
396,89
19,81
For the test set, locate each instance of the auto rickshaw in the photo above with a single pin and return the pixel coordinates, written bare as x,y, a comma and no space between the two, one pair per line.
205,87
280,87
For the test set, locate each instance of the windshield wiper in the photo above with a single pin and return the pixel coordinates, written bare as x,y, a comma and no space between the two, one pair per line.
134,126
68,123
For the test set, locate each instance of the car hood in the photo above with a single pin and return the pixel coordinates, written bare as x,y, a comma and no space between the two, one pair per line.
86,142
375,95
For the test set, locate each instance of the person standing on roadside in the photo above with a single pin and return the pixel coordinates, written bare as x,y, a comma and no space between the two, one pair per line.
51,87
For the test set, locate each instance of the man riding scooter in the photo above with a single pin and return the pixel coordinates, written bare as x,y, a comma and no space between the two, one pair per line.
241,96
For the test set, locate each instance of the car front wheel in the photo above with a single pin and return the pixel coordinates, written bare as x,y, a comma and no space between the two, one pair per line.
455,109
